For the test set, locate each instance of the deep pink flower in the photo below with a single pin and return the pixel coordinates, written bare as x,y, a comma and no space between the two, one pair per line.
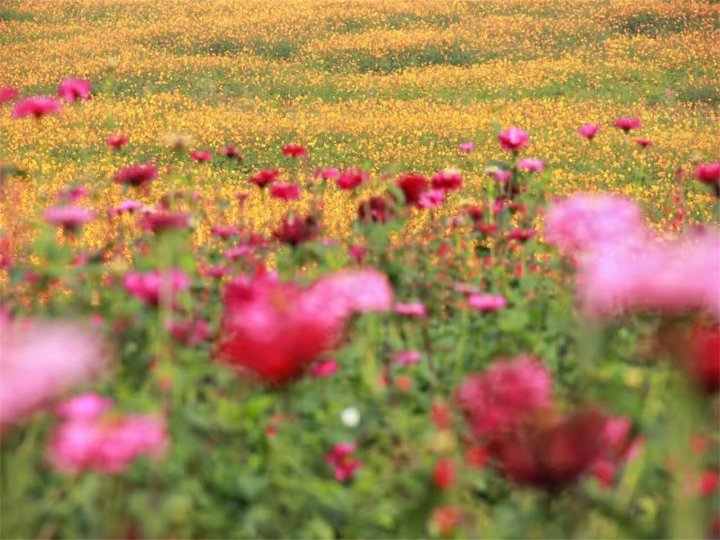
431,199
531,165
513,139
160,221
413,186
117,141
295,230
505,395
351,178
8,94
342,461
644,143
589,131
231,152
276,330
294,150
627,124
324,368
151,286
70,218
74,89
126,207
42,360
406,358
201,155
84,407
376,209
487,303
444,474
136,175
358,253
265,177
285,191
328,173
411,309
225,232
189,332
447,180
709,173
36,106
466,147
72,194
215,271
237,252
521,235
501,176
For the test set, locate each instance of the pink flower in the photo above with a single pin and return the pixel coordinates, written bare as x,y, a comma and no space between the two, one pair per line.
487,303
189,332
159,222
237,252
225,232
285,191
505,395
136,175
126,207
709,173
627,124
513,139
265,177
351,178
341,459
521,235
357,253
294,150
231,152
216,271
8,94
36,106
295,230
117,141
42,360
323,369
201,155
644,143
406,358
70,218
411,309
72,193
328,173
74,89
531,165
582,221
151,286
376,209
84,407
501,176
466,147
589,131
447,180
431,199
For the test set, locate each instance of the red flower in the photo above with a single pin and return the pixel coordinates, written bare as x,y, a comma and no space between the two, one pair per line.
136,175
294,150
444,474
201,155
36,106
8,94
440,415
159,222
117,141
644,143
445,519
351,178
340,458
276,330
702,359
627,124
296,230
231,152
413,186
709,173
447,180
265,177
375,209
285,191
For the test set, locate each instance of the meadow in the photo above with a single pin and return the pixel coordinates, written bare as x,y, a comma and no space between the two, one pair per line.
339,269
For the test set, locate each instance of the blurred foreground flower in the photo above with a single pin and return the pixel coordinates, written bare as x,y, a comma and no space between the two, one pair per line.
36,106
342,461
74,89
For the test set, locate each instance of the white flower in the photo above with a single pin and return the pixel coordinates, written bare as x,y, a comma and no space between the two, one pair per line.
350,417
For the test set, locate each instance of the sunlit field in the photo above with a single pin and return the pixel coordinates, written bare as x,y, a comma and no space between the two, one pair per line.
359,269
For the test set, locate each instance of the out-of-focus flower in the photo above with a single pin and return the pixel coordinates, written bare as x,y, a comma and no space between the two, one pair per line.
644,143
531,165
521,235
351,178
328,173
36,106
136,175
487,303
376,209
445,520
412,186
285,191
295,230
444,474
709,173
411,309
406,358
151,286
265,177
231,152
466,147
125,207
627,124
84,407
225,232
117,141
74,89
72,194
350,417
431,199
505,395
447,180
201,156
342,461
324,368
588,131
8,94
42,360
159,221
513,139
70,218
701,360
276,329
294,150
189,332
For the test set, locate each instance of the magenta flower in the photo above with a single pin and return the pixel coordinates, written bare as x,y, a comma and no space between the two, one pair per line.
627,124
513,139
73,89
126,207
487,303
431,199
201,156
72,194
708,173
136,175
225,232
589,131
117,141
324,368
351,178
84,407
411,309
328,173
342,461
237,252
36,106
159,222
8,94
531,165
406,358
285,191
376,209
189,332
466,147
231,152
644,143
295,230
447,180
151,286
70,218
265,177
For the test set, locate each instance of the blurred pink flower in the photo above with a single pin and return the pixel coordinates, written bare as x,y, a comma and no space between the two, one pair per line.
72,193
589,131
351,178
84,407
225,232
487,302
644,143
513,139
708,173
285,191
201,155
70,218
189,332
412,186
431,199
531,165
36,106
159,221
42,360
231,152
150,286
294,150
74,89
265,177
125,207
411,309
136,175
328,173
466,147
7,94
627,124
447,180
324,368
342,461
117,141
406,358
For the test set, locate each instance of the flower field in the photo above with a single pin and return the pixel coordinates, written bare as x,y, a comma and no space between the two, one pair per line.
359,269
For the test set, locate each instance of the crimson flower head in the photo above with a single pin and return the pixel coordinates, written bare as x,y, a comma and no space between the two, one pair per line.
136,175
8,94
351,178
150,286
295,230
644,143
231,152
265,177
342,461
294,150
588,131
447,180
161,221
376,209
513,139
36,107
225,232
117,141
74,89
285,191
627,124
201,156
413,186
702,360
70,218
276,330
709,173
